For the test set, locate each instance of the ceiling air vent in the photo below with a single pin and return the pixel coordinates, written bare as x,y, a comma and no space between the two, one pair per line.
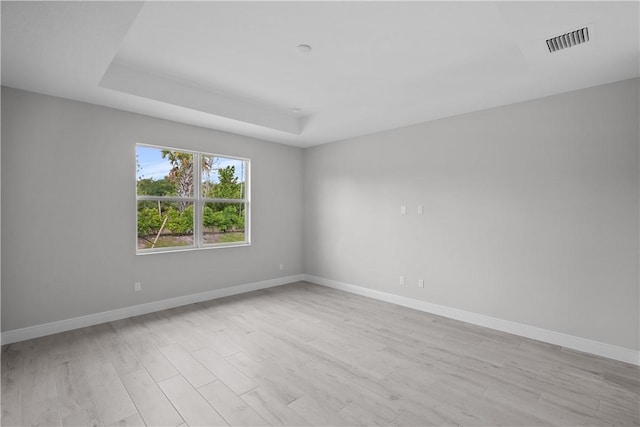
568,39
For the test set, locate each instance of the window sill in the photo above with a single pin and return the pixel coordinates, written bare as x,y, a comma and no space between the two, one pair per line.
190,248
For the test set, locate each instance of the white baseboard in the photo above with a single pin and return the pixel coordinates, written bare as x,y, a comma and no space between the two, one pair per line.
564,340
136,310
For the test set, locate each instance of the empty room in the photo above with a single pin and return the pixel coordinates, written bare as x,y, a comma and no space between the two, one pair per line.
329,213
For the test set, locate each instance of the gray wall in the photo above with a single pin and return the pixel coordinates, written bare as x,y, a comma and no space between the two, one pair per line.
68,212
530,212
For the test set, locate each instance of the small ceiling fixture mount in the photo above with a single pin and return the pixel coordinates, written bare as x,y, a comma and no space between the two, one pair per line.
567,40
304,48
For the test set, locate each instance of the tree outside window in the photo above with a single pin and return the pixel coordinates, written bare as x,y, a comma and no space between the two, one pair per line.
188,200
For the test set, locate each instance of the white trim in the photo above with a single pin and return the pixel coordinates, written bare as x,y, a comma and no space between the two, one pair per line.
569,341
136,310
564,340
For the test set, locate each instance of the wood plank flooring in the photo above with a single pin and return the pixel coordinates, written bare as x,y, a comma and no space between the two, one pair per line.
301,355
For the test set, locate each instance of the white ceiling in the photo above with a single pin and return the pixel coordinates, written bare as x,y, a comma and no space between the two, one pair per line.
373,66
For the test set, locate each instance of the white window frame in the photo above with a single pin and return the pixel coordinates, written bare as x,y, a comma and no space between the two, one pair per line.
198,203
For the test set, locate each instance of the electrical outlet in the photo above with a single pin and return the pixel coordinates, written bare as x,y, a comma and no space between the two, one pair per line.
420,210
403,209
281,267
420,283
137,286
402,280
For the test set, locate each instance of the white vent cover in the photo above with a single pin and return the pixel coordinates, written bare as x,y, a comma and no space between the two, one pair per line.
568,39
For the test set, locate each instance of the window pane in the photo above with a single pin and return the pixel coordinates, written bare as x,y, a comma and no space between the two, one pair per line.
164,224
223,223
223,178
164,172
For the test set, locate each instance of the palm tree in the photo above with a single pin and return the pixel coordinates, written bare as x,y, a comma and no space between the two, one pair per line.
181,173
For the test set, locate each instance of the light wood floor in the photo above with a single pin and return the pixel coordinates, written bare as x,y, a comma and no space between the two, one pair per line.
303,355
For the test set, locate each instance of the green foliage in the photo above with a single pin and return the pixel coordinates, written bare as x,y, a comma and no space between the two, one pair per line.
227,186
169,242
231,237
224,217
180,222
208,217
149,221
239,224
152,187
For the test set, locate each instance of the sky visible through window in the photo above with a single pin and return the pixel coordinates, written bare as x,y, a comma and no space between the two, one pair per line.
153,166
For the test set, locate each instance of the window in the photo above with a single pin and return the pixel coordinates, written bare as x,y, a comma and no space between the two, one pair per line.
190,200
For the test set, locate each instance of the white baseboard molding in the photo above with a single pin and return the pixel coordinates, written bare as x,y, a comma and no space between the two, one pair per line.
564,340
36,331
